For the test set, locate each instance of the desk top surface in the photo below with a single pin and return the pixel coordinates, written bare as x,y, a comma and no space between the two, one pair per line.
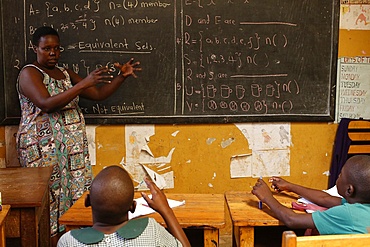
244,211
24,187
199,210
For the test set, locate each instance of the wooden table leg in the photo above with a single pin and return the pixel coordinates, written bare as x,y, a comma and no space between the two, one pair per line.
44,222
244,236
4,214
28,228
2,235
211,237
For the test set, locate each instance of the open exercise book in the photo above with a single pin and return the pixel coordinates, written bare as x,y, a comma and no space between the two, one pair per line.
310,207
142,207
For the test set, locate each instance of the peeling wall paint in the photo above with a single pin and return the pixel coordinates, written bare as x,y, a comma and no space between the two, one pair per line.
190,164
226,143
210,140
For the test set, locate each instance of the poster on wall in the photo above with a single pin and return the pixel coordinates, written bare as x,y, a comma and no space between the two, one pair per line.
355,15
355,2
270,144
353,79
353,88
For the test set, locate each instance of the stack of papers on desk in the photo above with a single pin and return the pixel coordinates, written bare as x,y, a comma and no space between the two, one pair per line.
312,207
142,207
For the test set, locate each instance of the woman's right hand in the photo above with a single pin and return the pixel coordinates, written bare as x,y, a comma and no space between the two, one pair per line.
99,75
128,68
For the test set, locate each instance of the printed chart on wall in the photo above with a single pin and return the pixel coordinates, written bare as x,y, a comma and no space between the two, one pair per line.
353,88
353,82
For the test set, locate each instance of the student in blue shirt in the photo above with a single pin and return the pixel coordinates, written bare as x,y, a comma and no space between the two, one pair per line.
347,215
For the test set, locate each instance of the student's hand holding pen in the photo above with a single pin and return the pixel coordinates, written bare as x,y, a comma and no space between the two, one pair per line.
261,190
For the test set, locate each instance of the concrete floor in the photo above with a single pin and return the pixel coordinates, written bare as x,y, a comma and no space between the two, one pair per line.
225,241
263,238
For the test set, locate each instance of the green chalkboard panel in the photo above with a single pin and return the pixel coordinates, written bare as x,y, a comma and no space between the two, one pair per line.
204,61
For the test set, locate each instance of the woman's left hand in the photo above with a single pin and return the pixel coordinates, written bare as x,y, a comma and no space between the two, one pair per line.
128,68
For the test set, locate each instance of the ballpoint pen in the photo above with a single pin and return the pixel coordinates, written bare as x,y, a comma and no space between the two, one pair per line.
260,202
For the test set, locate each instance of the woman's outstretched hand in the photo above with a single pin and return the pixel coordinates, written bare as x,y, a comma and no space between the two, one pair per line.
99,75
128,68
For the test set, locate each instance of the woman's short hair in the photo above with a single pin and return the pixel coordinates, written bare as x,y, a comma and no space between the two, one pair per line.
43,31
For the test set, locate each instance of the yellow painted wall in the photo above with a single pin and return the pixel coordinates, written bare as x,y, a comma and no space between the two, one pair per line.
200,167
354,43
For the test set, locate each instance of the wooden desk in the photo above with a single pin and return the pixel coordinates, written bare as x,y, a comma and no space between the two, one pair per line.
3,213
26,190
245,215
201,211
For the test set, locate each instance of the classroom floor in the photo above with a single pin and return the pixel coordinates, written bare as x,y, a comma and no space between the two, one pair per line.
225,241
264,237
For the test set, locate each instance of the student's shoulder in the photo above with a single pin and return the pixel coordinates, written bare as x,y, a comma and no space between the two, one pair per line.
65,240
153,222
345,209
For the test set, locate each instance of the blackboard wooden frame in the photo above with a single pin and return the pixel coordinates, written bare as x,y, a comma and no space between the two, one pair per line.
2,96
185,111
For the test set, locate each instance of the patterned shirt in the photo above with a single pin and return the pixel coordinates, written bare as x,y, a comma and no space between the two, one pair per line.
143,232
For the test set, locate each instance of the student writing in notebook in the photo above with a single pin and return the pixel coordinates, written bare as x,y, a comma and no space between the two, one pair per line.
347,215
111,199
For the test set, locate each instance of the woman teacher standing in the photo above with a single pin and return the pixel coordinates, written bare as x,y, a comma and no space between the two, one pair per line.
52,129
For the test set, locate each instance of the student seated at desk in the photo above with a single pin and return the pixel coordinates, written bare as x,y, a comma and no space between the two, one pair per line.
347,215
111,198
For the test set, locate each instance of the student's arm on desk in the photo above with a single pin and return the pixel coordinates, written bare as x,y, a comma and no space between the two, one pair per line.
318,197
284,214
159,203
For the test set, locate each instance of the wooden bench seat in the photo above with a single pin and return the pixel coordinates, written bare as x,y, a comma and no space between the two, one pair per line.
290,239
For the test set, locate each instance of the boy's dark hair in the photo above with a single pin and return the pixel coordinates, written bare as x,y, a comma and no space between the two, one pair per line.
111,195
359,175
43,31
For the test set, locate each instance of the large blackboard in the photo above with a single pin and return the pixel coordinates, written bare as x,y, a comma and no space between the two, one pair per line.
204,61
